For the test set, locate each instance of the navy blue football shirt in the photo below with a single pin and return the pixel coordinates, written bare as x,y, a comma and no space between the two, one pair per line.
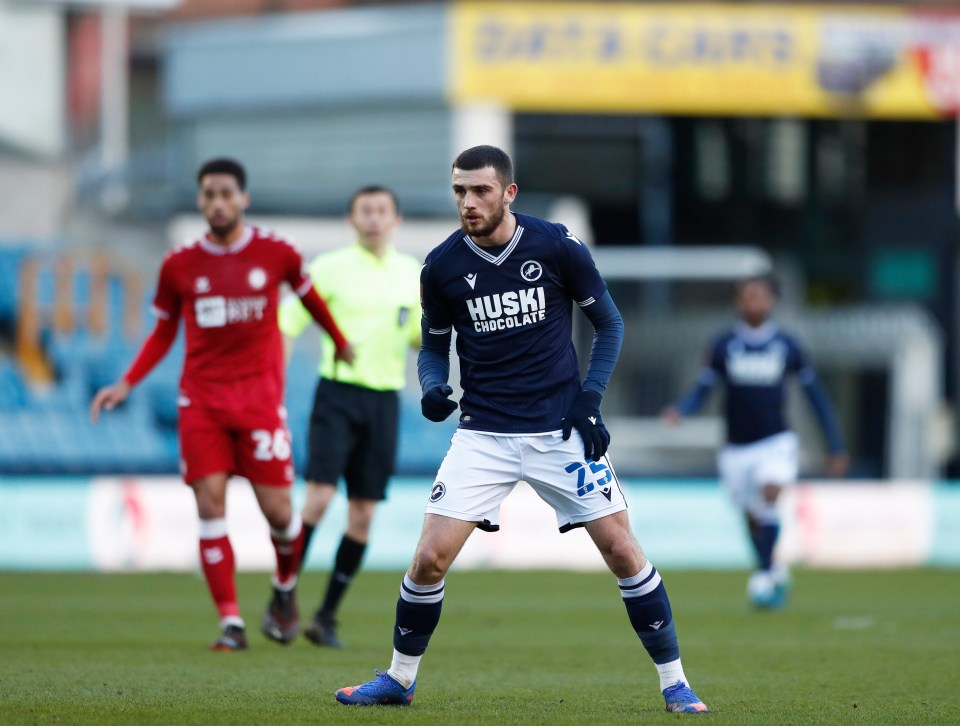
512,310
754,364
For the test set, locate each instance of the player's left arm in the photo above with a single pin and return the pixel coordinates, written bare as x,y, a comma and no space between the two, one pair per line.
588,289
820,402
584,414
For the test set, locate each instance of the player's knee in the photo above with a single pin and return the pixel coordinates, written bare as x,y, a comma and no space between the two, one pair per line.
208,509
315,506
430,565
210,506
211,495
277,514
623,554
359,521
770,493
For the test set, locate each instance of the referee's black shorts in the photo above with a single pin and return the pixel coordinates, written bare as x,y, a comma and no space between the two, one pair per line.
353,434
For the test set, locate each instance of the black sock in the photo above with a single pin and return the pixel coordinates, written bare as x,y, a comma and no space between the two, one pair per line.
307,536
345,566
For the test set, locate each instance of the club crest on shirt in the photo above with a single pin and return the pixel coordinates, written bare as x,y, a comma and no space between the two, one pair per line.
201,285
257,278
531,270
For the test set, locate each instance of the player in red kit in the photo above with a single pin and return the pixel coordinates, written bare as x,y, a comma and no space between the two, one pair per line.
225,287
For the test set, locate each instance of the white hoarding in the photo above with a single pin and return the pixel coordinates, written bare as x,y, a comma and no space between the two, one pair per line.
32,48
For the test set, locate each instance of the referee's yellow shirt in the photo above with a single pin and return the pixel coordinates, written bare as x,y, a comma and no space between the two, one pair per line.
376,303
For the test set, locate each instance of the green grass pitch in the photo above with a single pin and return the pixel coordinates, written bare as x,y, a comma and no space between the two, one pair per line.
512,647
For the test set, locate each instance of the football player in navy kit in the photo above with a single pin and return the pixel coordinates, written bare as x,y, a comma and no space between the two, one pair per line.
507,284
753,360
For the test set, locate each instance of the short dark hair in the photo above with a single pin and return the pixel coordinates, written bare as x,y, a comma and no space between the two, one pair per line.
373,189
224,165
480,157
771,282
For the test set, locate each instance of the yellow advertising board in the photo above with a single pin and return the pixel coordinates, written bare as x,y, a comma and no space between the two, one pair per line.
715,59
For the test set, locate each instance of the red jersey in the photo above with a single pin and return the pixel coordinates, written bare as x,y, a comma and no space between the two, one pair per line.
227,297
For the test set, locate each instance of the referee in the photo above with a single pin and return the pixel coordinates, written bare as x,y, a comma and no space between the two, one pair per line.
373,291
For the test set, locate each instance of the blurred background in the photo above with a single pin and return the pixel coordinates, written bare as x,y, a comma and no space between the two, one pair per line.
688,144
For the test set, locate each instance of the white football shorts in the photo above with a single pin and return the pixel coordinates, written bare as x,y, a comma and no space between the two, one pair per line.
745,469
481,469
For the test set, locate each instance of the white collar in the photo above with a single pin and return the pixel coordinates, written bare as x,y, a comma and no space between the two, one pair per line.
230,249
496,259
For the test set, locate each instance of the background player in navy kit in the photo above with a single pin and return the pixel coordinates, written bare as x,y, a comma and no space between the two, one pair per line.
753,361
506,282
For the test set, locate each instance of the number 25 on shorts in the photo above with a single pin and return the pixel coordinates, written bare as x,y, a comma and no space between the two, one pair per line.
583,486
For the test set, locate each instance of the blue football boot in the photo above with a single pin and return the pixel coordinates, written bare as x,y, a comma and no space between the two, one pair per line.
681,699
381,691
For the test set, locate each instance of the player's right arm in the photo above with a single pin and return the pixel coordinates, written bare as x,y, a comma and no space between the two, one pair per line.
433,362
166,306
696,397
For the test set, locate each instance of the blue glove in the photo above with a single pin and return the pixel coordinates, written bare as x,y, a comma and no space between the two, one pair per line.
584,416
436,405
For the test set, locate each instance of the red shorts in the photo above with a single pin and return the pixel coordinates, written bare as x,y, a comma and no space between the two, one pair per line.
253,444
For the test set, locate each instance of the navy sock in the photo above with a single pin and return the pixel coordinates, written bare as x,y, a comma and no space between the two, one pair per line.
418,613
345,566
650,615
764,538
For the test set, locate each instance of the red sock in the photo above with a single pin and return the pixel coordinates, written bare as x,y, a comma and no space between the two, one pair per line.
288,552
216,557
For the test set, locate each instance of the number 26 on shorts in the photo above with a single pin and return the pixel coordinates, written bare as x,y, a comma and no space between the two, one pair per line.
271,445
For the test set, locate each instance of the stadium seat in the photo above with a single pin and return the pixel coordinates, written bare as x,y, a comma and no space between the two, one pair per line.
11,258
13,391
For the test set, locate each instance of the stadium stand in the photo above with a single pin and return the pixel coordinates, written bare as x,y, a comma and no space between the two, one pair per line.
65,333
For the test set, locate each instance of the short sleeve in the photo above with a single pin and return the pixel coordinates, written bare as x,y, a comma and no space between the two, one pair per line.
581,278
166,300
294,271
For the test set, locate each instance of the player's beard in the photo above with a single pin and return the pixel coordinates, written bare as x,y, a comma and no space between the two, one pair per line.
486,227
224,229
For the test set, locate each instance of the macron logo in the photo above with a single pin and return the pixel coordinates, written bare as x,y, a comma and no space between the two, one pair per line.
471,279
404,631
592,419
657,625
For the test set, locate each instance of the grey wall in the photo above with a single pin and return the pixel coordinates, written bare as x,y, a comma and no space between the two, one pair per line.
315,105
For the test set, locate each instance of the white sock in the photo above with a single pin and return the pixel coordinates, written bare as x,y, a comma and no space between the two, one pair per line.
670,673
287,586
291,531
403,668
